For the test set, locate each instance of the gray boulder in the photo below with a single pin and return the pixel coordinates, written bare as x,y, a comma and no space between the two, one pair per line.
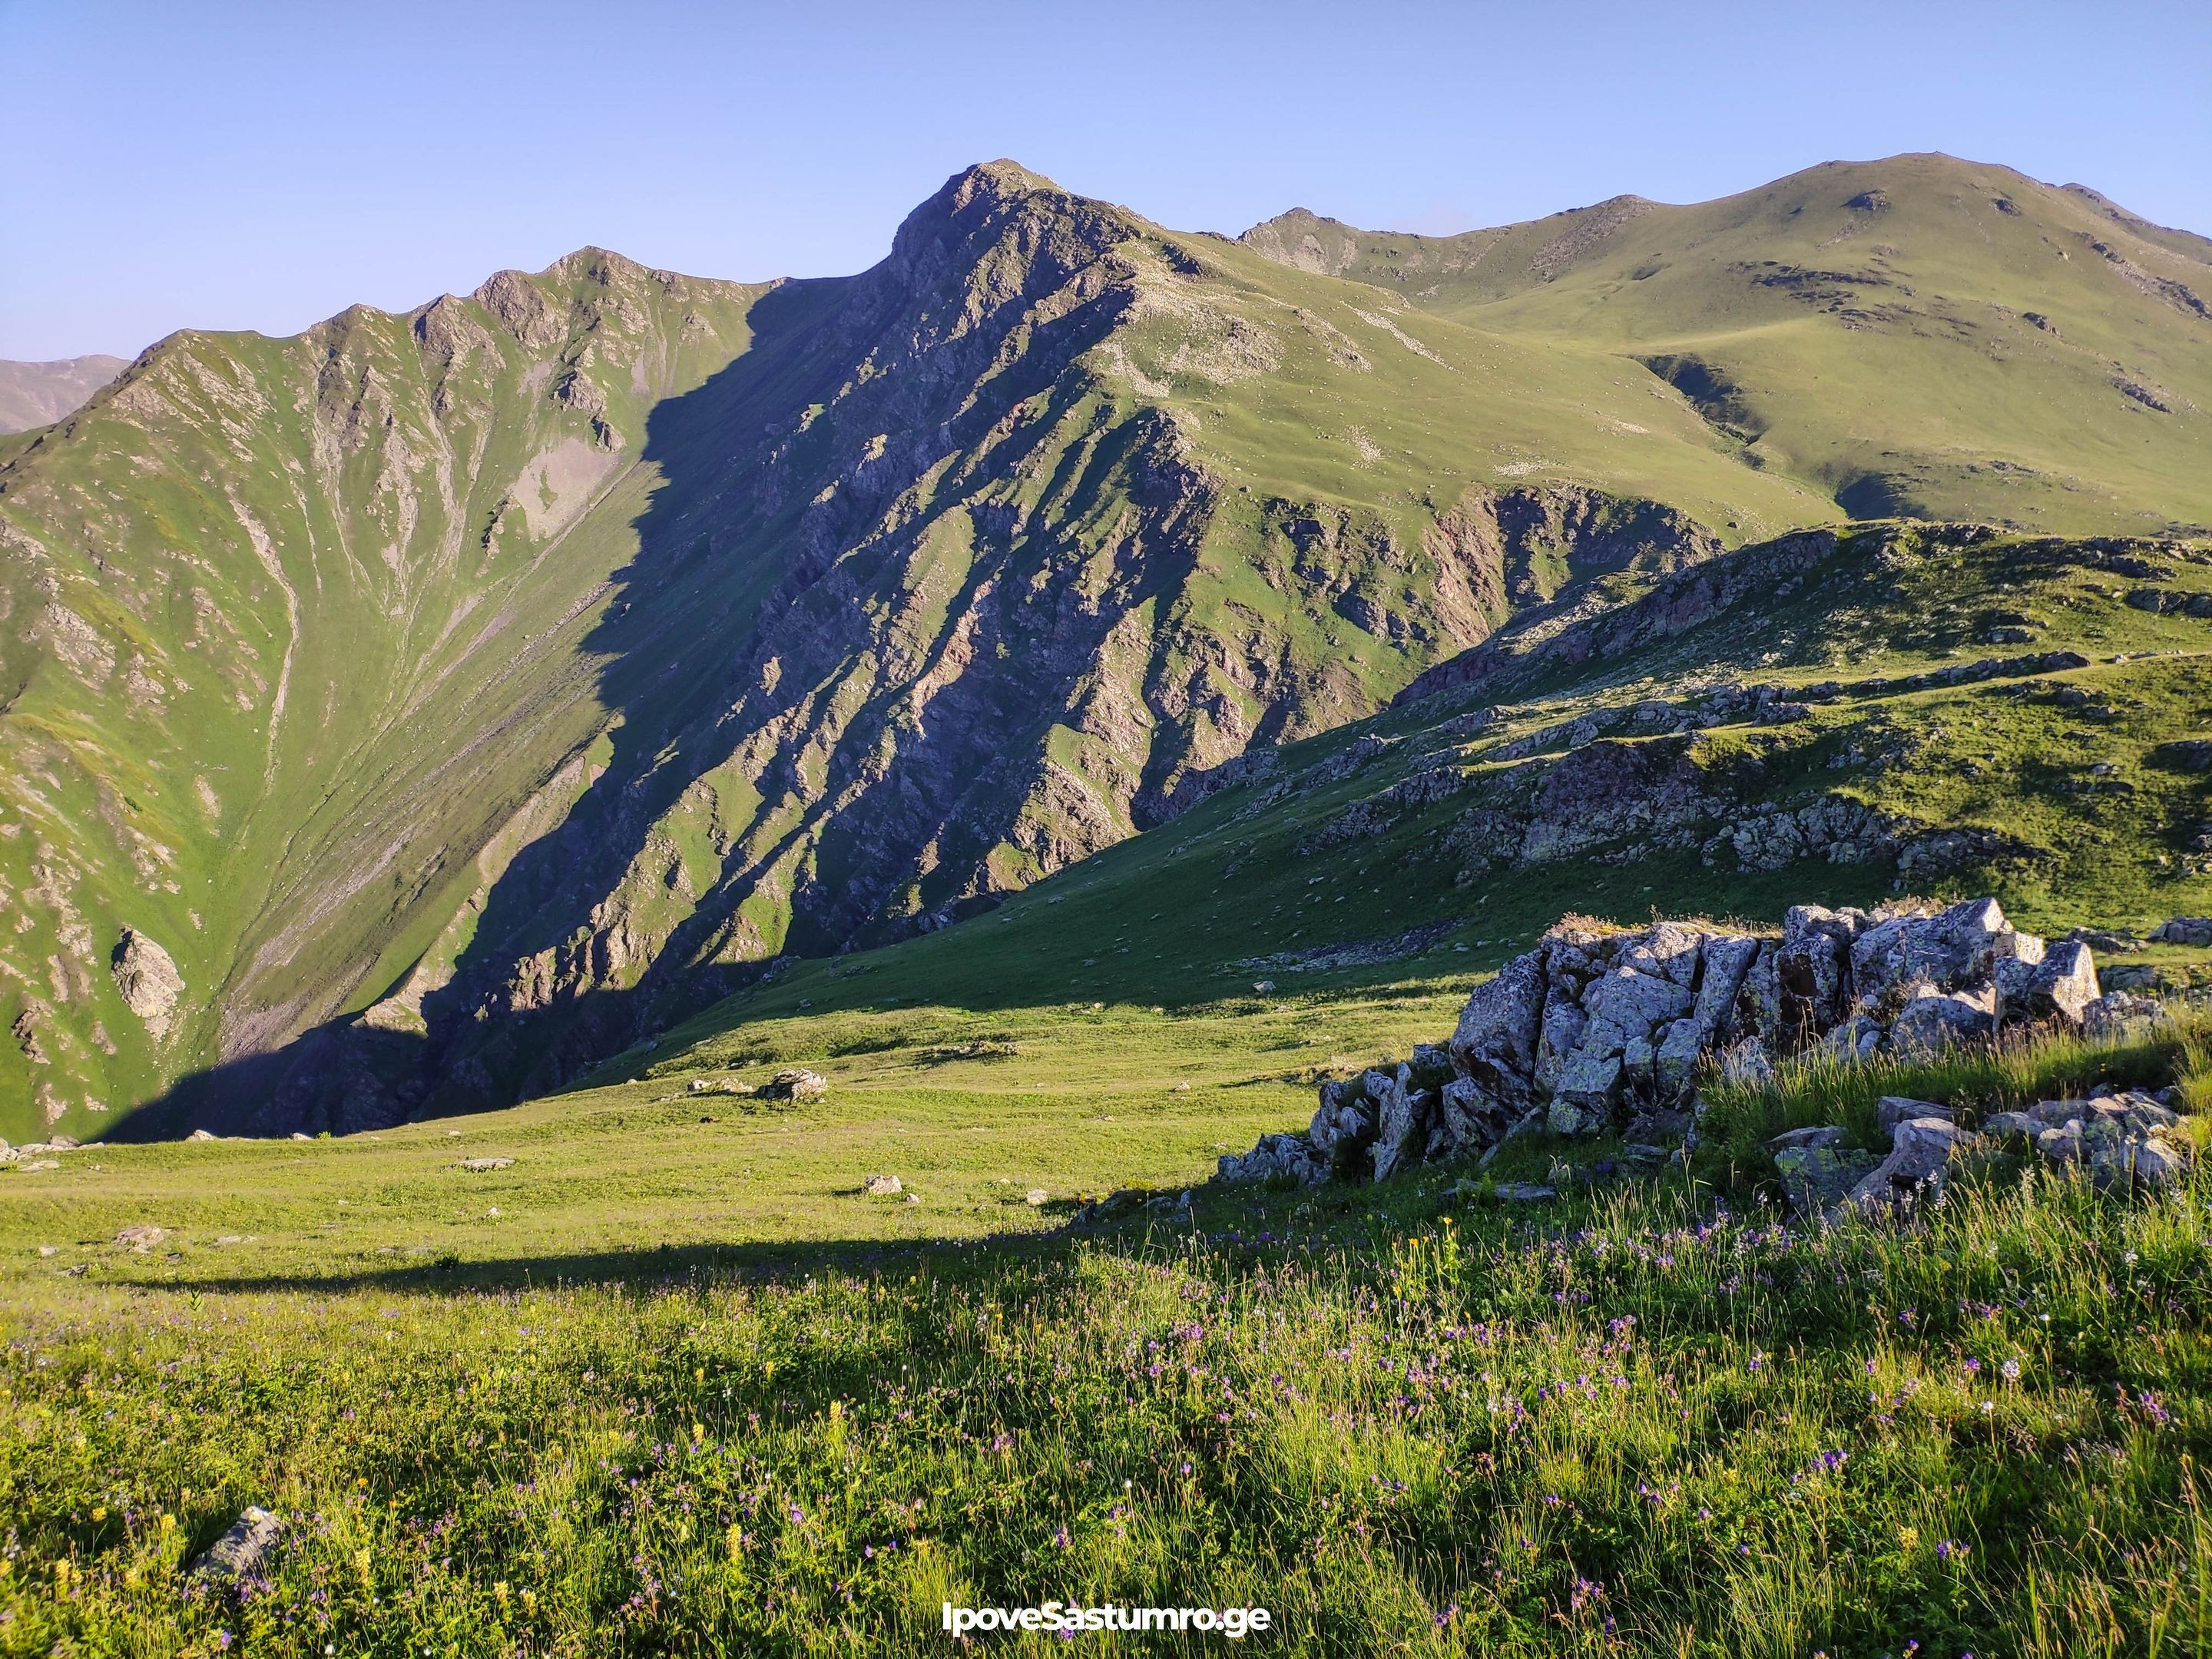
1935,1020
1893,1110
1817,1169
2193,930
1924,1152
2059,988
242,1553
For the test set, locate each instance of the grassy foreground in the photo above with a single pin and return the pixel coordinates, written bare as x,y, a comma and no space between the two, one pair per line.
1643,1421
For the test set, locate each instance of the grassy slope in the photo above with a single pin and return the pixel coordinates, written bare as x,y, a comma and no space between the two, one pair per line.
597,1421
1889,348
330,546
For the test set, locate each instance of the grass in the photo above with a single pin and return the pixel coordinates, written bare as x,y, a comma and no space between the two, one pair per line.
2008,1073
1653,1419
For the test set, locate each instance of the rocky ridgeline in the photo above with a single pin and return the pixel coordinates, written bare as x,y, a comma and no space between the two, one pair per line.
1602,1029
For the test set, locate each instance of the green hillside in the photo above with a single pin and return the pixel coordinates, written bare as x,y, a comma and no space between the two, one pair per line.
408,716
1920,335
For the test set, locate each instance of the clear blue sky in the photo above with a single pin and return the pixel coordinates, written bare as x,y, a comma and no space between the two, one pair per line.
261,166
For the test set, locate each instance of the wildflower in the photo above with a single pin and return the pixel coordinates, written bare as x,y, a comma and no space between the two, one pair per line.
1909,1537
1060,1538
2010,1370
100,1511
499,1592
168,1522
735,1538
1949,1548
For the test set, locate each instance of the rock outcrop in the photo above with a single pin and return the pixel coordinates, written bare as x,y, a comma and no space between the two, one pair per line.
1606,1028
147,976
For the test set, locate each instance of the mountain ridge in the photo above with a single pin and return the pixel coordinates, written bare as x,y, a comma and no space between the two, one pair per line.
664,629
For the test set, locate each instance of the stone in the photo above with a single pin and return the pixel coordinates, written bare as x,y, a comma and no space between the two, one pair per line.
1496,1037
1264,986
1954,947
1037,1198
1925,1151
201,1134
1403,1122
1291,1156
148,978
1826,1134
2060,987
2193,930
242,1552
1938,1019
797,1083
1526,1191
1893,1110
1818,1175
142,1235
483,1163
2121,1013
883,1186
1661,1127
1810,967
62,1143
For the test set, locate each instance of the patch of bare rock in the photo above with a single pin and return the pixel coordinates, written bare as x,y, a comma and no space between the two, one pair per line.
1601,1030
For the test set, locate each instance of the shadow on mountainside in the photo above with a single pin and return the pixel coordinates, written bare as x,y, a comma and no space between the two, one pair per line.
748,629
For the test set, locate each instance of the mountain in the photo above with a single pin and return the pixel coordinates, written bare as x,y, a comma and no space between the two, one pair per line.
35,394
1919,336
405,717
1832,716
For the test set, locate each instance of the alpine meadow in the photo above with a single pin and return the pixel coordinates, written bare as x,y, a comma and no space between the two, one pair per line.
1502,941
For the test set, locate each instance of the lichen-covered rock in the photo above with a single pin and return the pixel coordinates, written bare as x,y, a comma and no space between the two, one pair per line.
1817,1169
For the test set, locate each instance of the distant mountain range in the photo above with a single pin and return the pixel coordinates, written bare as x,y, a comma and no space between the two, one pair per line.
35,394
407,715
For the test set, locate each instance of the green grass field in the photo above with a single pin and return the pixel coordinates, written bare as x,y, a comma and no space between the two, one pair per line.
666,1385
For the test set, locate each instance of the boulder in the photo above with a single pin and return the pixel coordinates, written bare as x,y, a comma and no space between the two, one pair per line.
797,1083
1893,1110
242,1553
1952,948
1817,1169
2060,987
883,1186
2121,1013
148,978
1496,1038
1288,1155
1926,1149
1934,1020
1405,1116
2194,930
484,1163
